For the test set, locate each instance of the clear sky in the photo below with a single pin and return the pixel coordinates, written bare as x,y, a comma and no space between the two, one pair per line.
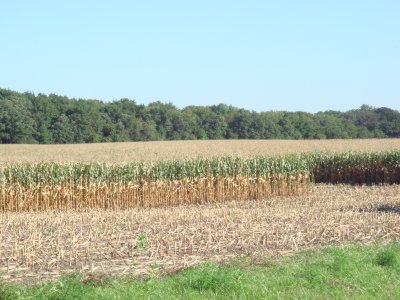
259,55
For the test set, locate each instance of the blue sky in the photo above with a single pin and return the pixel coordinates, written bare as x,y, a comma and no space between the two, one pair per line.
259,55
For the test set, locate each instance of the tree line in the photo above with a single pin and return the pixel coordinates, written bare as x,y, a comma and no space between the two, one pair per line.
52,119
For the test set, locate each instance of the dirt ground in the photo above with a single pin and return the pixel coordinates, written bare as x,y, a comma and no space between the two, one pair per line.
144,241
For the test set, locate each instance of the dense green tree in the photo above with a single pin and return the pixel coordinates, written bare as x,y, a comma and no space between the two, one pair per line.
331,126
240,123
270,127
213,124
389,121
45,112
63,131
16,122
46,119
289,129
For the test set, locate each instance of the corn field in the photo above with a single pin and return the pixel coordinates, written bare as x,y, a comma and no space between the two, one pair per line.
57,186
356,167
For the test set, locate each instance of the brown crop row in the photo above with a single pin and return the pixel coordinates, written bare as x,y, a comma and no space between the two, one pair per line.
19,198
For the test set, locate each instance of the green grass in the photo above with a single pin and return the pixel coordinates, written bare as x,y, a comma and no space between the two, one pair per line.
356,272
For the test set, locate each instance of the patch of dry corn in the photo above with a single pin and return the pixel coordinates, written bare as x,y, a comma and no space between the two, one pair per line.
17,198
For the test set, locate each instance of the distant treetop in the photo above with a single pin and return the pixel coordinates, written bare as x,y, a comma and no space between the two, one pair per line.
53,119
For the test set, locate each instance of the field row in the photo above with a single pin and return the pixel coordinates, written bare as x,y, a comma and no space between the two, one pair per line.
43,186
170,150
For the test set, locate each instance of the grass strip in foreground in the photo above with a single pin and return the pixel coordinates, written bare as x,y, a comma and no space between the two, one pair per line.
357,272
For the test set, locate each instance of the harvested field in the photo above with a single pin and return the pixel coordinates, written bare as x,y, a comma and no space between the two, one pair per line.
153,151
44,245
51,222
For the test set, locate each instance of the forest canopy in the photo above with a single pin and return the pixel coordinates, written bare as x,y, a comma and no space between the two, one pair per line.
52,119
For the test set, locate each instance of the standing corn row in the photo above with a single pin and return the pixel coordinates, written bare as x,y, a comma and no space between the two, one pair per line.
43,186
147,194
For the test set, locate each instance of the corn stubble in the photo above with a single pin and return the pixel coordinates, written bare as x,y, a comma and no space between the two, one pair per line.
44,245
77,186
